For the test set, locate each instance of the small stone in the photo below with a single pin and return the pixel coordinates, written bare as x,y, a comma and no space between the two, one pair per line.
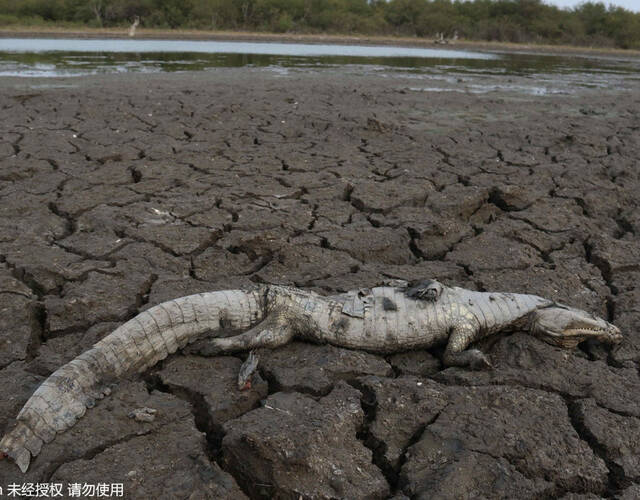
143,414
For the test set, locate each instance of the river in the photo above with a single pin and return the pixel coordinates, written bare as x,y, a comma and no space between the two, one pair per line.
434,70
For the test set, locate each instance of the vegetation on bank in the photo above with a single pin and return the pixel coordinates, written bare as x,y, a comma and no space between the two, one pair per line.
590,24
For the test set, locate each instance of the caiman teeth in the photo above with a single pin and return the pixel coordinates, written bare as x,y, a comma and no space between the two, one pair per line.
582,331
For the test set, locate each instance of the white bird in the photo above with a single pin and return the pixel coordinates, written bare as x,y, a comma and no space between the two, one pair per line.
132,30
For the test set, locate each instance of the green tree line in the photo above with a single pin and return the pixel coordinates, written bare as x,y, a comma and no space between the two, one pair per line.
591,23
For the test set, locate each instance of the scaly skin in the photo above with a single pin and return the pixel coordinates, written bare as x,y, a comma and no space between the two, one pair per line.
383,320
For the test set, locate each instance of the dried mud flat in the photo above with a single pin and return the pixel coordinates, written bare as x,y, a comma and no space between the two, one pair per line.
121,192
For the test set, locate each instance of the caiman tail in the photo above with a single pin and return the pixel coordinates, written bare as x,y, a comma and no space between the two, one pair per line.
133,347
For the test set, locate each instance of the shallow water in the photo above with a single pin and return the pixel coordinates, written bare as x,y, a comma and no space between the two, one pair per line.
439,70
60,57
216,47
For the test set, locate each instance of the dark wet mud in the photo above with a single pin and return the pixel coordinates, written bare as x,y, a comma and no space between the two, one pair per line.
123,191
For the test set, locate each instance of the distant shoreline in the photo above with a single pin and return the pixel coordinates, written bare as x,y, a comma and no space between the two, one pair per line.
151,34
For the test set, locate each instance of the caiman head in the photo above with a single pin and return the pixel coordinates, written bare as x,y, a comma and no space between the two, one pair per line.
566,327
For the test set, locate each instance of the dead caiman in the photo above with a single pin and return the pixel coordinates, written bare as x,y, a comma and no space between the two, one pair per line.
384,319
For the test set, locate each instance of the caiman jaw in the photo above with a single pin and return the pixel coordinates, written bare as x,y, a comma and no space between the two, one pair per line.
609,335
571,337
567,327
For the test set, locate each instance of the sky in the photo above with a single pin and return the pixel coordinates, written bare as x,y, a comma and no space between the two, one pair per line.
632,5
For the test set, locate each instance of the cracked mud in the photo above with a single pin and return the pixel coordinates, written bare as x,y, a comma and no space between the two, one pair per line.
124,191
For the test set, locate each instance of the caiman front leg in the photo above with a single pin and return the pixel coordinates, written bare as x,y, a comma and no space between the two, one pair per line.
457,354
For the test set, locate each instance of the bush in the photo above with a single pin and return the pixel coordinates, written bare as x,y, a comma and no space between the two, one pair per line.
10,19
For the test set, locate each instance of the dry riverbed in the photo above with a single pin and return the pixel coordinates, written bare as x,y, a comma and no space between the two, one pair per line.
124,191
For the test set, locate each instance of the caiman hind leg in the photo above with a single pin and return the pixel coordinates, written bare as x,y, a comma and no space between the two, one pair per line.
457,354
272,332
262,335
